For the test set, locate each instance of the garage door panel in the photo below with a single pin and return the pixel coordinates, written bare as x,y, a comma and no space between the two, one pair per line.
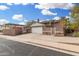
37,30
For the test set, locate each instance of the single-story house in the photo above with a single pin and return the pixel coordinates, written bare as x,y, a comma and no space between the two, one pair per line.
13,29
37,28
58,28
50,28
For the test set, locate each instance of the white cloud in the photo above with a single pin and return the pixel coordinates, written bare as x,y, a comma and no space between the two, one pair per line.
18,17
3,21
9,3
46,6
44,20
3,7
17,2
47,12
54,5
47,19
25,20
22,23
56,18
67,17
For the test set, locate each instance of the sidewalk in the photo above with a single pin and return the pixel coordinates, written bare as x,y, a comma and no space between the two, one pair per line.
68,45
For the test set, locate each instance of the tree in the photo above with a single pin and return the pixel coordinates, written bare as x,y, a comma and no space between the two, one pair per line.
65,21
75,15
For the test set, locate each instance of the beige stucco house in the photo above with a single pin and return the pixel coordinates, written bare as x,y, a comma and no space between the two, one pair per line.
49,28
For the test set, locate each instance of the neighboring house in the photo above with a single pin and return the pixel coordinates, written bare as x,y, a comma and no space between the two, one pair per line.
54,27
58,28
13,29
50,28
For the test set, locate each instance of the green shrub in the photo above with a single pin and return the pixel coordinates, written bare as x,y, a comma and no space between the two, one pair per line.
76,34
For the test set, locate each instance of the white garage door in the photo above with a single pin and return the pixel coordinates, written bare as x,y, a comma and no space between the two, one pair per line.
37,30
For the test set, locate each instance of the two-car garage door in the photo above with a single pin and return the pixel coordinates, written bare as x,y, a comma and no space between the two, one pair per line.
37,30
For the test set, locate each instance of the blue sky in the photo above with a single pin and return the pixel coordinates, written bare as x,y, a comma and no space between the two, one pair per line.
18,13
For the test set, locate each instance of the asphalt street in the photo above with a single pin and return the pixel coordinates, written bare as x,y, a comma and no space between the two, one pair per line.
14,48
